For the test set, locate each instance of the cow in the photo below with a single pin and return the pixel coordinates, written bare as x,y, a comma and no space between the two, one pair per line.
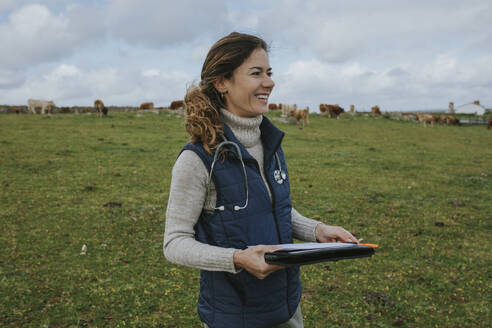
300,115
99,108
489,123
336,111
176,104
451,120
272,106
65,110
45,105
426,118
146,105
443,119
375,110
332,110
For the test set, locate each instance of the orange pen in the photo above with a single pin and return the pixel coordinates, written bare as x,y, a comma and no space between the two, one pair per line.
370,245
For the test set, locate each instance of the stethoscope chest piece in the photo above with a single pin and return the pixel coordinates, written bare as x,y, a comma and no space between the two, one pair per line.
279,176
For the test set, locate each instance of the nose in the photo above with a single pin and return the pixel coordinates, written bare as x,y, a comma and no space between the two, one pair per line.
268,82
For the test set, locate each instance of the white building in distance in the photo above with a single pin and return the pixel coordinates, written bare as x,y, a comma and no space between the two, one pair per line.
470,109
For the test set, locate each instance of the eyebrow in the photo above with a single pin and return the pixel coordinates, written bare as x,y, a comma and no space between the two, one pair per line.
260,68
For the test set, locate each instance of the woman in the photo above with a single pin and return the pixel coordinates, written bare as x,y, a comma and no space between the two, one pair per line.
225,221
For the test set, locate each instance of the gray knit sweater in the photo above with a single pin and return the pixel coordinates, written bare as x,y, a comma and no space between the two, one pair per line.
187,199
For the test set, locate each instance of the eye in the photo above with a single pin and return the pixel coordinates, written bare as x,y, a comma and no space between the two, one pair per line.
256,73
270,73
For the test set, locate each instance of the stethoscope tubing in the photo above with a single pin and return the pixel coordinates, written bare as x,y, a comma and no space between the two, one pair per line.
279,174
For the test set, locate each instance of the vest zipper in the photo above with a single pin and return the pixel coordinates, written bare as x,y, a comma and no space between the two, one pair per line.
279,240
278,232
274,211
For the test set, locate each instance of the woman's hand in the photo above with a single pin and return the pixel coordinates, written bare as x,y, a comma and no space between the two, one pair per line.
252,259
333,234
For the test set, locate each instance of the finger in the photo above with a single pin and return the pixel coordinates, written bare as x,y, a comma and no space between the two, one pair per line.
272,248
351,238
347,239
274,267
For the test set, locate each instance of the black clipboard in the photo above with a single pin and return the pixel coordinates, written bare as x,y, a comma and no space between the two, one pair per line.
296,257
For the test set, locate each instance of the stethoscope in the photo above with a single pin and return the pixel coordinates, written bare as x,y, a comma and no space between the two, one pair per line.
278,174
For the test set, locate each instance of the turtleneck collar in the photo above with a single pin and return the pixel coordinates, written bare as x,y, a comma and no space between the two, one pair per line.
246,129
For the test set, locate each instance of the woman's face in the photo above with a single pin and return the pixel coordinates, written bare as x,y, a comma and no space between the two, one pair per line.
250,86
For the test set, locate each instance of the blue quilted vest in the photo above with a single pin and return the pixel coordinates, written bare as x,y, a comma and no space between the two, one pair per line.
241,300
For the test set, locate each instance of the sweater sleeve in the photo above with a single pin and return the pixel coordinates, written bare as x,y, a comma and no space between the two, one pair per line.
303,228
186,200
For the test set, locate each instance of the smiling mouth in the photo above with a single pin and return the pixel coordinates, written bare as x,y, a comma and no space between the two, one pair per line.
262,97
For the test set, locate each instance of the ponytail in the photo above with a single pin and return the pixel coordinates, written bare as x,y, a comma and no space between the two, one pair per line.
203,122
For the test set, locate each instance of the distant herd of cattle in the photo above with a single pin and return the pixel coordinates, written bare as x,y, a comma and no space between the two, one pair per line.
48,106
300,115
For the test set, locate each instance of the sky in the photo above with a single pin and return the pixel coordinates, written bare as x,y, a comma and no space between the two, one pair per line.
400,55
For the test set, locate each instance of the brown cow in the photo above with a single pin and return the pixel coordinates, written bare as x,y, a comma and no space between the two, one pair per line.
375,110
272,106
300,115
146,105
443,119
99,108
451,120
427,118
489,124
176,104
332,110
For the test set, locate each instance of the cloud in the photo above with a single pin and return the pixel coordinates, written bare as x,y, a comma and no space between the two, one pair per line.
34,35
407,86
11,78
164,23
6,5
336,32
153,72
70,85
31,35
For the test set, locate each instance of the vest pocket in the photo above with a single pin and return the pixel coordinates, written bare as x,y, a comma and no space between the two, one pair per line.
235,228
211,229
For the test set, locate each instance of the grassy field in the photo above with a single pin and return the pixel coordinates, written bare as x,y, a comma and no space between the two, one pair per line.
423,194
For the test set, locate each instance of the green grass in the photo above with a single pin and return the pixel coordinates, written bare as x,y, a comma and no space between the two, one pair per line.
423,194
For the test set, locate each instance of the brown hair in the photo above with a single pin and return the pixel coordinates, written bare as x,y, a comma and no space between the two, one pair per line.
203,101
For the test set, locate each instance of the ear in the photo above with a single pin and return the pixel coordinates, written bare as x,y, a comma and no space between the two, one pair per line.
220,85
